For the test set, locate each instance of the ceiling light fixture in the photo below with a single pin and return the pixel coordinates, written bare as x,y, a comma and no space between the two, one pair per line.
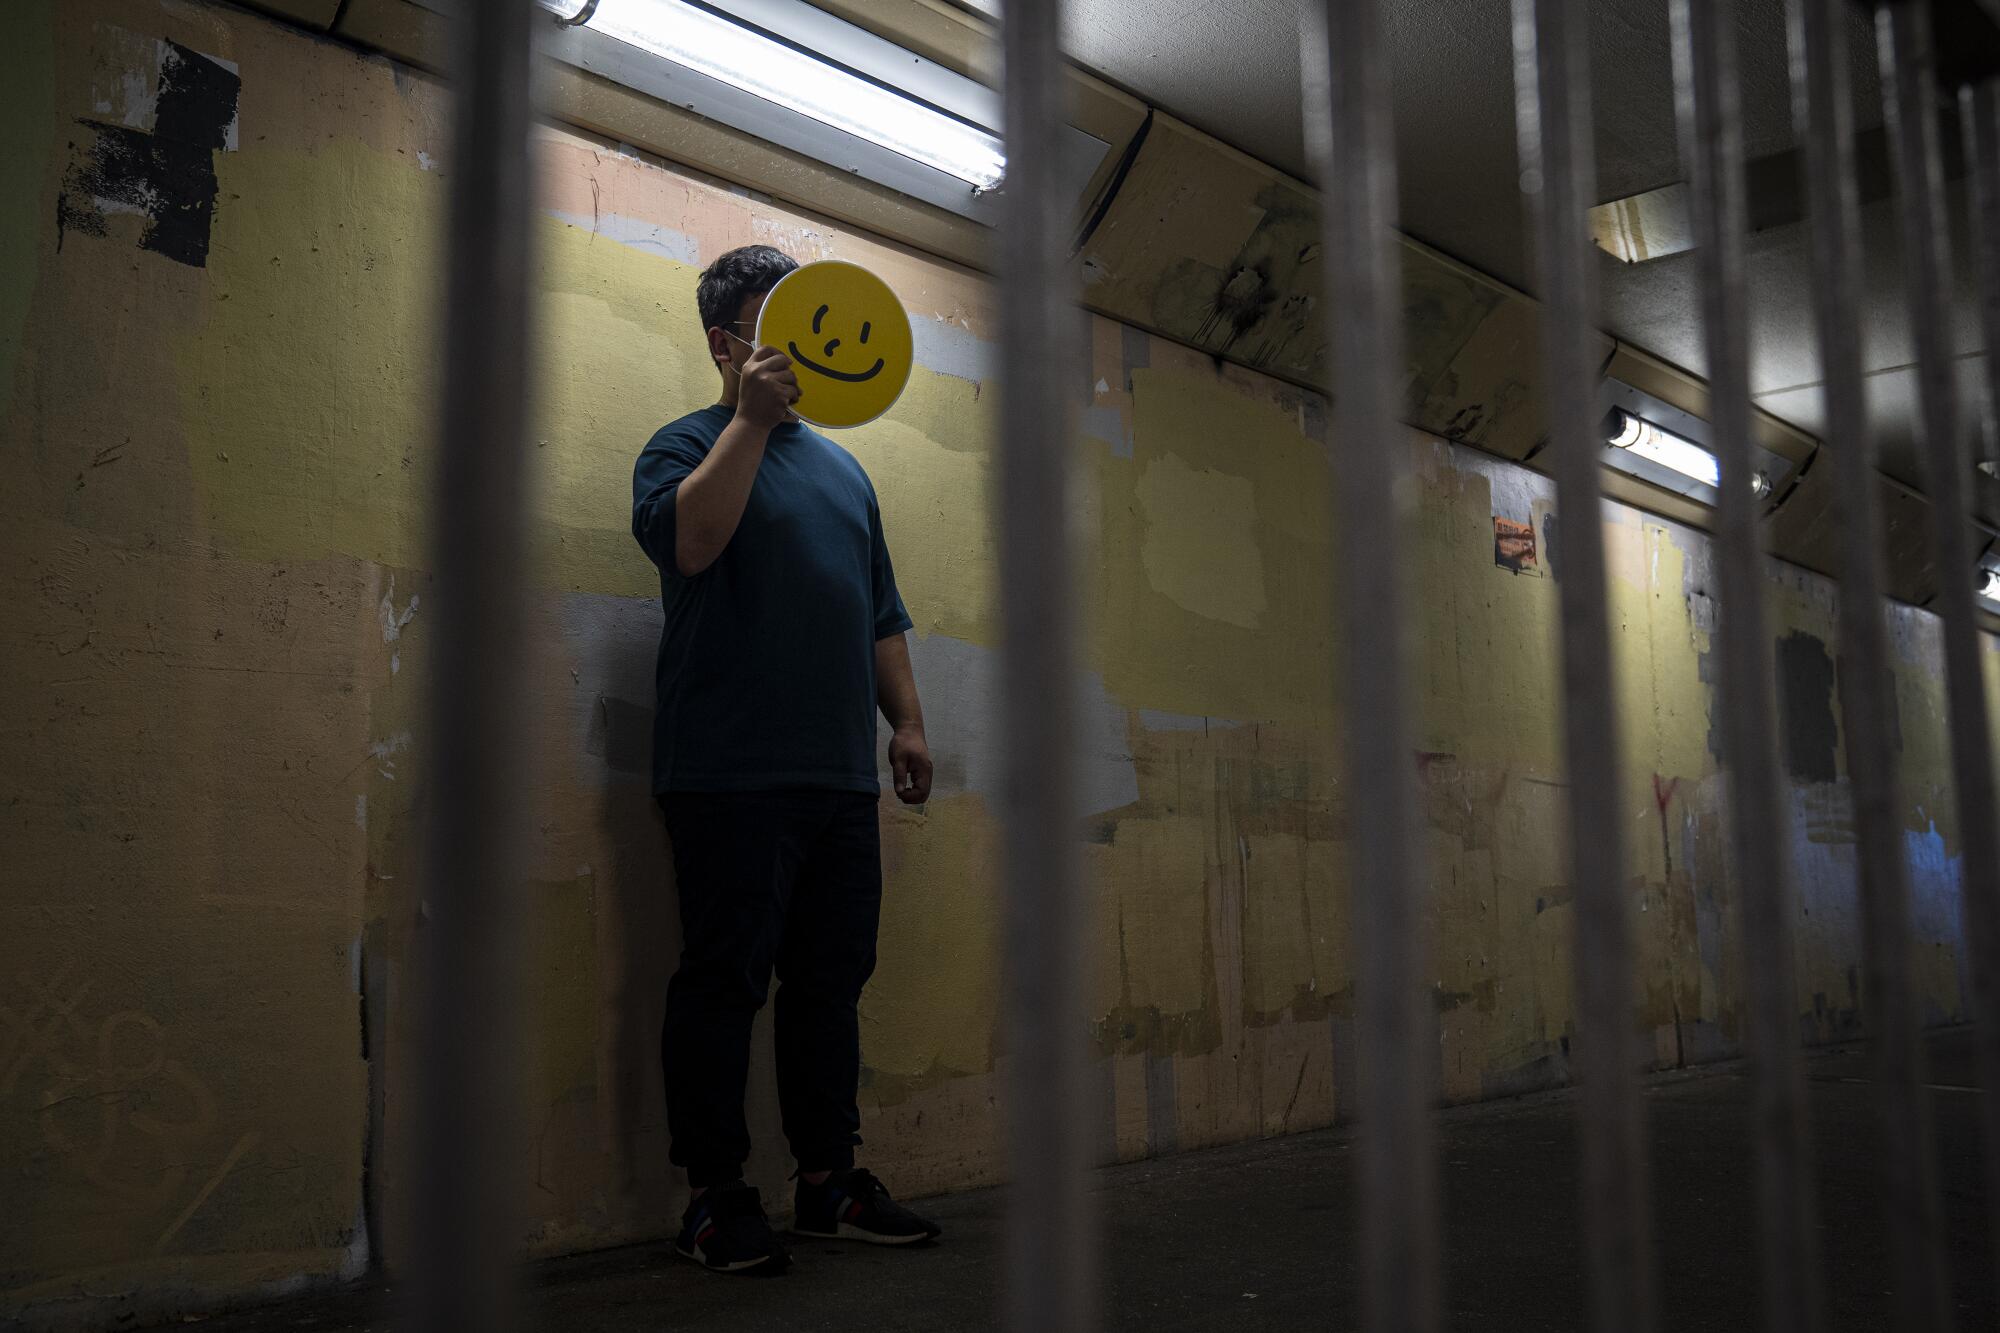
745,58
1645,440
1989,584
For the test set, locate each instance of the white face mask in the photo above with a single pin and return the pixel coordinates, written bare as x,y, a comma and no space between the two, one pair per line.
789,415
738,337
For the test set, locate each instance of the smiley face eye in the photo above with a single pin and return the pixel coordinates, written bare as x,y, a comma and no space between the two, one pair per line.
864,330
818,315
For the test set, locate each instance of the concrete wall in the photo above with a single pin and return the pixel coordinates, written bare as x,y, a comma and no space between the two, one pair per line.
216,410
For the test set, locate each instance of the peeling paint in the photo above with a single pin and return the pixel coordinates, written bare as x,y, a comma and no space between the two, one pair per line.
1200,546
647,237
947,348
961,681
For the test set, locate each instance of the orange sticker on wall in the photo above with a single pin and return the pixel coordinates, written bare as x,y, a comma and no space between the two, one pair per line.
1514,546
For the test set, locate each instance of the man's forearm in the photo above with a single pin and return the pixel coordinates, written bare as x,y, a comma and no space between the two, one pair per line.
709,504
896,683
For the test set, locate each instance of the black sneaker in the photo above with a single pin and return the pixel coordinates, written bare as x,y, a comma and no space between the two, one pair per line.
853,1205
724,1230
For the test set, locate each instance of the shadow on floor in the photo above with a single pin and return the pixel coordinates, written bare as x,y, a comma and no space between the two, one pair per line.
1262,1235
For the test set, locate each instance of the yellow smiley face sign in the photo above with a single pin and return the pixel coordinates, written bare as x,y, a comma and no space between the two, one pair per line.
848,339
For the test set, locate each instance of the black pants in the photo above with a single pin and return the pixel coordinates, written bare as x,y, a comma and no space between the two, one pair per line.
791,880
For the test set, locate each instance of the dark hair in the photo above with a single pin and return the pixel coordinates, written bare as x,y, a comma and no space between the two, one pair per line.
744,271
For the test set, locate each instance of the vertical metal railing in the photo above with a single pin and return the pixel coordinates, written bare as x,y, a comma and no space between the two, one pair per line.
1979,125
1050,1235
1558,178
1979,132
1348,119
1710,114
1911,101
1822,110
464,1213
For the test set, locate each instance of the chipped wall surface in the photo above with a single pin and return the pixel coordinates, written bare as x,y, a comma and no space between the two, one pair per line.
1222,252
216,752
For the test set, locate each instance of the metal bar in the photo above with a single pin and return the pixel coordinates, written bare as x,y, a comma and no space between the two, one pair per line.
1710,107
1050,1248
1822,112
464,1216
1911,106
1558,177
1979,121
1348,123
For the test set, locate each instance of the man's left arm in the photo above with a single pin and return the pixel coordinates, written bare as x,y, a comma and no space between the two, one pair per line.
895,681
896,692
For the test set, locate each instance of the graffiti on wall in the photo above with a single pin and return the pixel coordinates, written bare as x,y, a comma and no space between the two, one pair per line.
110,1102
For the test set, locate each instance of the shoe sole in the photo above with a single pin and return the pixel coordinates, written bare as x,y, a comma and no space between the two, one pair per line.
845,1231
740,1266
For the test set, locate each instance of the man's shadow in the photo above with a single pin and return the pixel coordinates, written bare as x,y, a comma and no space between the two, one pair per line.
639,933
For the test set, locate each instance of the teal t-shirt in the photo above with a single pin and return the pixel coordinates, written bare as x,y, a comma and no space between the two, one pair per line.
766,675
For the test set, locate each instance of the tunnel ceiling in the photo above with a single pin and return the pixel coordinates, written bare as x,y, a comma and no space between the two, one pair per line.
1231,68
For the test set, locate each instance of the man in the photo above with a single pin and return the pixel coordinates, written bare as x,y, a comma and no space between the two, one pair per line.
784,633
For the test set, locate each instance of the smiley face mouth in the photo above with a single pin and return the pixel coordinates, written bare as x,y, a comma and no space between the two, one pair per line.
852,377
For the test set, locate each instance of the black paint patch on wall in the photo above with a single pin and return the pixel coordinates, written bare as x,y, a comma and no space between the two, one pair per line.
1708,670
1805,707
168,176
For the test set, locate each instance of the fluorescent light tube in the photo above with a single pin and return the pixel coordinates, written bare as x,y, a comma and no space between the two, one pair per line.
745,58
1645,440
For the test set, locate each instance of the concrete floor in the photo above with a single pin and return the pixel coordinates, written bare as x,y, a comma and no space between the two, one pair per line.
1262,1235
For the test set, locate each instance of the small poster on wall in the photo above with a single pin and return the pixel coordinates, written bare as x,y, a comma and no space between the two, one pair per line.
1514,546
